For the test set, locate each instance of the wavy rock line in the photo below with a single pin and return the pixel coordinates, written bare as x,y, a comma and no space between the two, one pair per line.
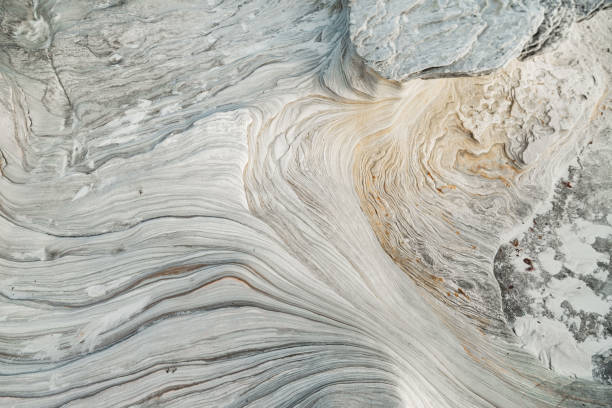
200,209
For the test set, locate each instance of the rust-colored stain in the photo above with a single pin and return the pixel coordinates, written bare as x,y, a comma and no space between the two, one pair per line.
461,291
493,164
179,269
469,353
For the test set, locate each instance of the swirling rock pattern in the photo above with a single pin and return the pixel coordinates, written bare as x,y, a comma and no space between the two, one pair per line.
221,204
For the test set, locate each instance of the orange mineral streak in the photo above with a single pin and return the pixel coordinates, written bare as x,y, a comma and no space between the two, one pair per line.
426,146
494,164
463,293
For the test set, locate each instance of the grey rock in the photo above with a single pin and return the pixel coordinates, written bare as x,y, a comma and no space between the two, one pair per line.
405,39
559,16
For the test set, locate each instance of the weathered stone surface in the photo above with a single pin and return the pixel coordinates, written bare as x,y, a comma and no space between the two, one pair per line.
565,292
218,204
403,39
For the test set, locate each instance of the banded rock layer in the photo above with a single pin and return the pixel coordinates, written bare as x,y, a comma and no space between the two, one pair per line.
220,204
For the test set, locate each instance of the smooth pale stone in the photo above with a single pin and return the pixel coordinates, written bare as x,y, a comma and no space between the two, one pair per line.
217,204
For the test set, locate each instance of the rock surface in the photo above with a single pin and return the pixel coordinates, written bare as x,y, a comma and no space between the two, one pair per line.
556,280
404,39
219,204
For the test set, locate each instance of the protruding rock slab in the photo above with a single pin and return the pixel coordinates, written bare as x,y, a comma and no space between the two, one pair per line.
403,39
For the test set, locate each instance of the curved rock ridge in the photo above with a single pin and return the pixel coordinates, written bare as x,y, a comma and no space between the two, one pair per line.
219,204
405,39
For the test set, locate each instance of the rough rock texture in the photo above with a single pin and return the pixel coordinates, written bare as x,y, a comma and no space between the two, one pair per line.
559,15
556,280
218,204
403,39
